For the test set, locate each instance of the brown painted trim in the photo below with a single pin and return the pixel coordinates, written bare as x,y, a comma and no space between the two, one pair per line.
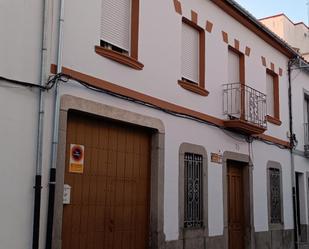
121,58
134,29
247,51
280,71
105,85
225,37
236,44
273,120
275,76
209,26
263,61
202,39
273,140
53,68
272,66
194,17
233,12
193,88
139,96
177,6
244,126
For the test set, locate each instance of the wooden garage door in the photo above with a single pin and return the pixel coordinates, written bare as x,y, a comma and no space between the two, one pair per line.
236,212
109,206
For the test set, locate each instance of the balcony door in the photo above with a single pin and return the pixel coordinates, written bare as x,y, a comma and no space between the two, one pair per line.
236,77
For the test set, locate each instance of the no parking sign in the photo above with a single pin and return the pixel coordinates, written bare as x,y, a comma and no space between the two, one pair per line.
77,158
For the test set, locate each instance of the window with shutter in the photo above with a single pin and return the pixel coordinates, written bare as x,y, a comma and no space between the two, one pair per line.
233,67
272,92
115,24
190,54
119,32
193,57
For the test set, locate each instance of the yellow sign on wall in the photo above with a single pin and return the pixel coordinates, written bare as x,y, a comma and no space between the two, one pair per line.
77,154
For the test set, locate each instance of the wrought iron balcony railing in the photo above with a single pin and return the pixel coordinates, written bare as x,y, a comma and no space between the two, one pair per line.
243,103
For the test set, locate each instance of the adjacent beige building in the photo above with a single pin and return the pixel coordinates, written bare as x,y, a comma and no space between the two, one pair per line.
296,34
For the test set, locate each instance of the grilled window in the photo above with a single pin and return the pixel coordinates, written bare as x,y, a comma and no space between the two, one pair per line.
275,196
193,192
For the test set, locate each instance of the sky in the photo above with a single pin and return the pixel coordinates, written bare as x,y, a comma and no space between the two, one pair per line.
296,10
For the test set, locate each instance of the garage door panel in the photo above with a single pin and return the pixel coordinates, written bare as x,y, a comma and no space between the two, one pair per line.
110,199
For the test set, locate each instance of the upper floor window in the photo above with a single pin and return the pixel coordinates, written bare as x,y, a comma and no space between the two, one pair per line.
119,32
190,54
272,91
236,66
116,24
193,57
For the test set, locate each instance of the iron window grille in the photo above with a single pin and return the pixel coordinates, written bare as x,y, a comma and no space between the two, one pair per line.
275,196
193,192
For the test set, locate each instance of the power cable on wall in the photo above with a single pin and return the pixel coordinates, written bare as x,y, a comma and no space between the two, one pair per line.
66,78
49,85
52,80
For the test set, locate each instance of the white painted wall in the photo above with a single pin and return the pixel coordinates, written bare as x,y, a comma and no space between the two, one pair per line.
18,149
159,51
20,33
20,49
214,140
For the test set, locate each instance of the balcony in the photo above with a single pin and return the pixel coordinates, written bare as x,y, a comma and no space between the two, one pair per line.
245,109
306,139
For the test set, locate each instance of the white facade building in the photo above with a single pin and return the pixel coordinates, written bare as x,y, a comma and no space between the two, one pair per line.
296,34
163,138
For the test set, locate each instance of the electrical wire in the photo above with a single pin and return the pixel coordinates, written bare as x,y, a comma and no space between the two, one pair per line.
49,85
54,79
249,139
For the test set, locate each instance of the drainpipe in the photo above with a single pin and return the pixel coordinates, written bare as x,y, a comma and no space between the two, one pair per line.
53,163
292,140
39,155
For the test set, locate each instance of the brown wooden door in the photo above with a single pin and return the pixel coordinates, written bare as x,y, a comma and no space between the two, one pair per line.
109,206
236,212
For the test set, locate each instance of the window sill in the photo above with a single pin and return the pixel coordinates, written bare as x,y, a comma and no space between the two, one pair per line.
273,120
193,88
121,58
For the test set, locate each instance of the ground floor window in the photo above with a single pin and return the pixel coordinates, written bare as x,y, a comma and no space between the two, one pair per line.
193,190
275,195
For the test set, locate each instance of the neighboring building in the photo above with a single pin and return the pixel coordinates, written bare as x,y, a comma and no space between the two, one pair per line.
296,34
300,107
173,127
